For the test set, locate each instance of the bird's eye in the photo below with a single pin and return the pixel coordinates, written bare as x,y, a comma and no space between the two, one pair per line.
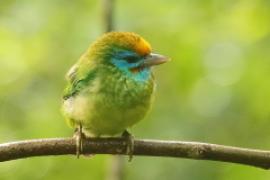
131,59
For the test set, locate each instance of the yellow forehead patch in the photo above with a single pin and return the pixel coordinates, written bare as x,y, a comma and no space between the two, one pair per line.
127,40
142,47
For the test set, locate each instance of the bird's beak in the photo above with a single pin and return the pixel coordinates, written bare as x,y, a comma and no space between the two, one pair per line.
155,59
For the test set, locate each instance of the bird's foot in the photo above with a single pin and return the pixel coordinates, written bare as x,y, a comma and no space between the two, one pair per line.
79,136
130,144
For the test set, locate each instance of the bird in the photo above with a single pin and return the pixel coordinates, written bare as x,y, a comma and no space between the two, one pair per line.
111,87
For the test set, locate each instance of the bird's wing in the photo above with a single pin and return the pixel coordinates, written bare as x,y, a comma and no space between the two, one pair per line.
78,77
71,74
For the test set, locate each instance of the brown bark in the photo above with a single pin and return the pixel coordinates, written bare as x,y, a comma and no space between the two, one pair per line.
190,150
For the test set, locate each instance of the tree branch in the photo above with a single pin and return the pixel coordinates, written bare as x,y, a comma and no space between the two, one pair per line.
190,150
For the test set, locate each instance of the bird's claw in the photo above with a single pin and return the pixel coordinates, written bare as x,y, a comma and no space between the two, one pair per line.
130,144
79,136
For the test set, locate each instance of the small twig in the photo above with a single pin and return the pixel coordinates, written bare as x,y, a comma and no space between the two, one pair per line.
108,9
191,150
116,168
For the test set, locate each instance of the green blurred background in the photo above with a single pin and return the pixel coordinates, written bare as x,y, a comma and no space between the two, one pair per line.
215,89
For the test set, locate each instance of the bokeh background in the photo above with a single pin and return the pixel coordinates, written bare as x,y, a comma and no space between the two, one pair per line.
216,88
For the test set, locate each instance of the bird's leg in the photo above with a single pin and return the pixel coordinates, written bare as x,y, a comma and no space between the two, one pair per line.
79,140
130,144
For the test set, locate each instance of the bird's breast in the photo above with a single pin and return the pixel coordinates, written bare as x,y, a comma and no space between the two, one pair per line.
120,103
125,92
111,104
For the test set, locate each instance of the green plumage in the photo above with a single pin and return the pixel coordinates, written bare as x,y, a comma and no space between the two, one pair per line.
102,97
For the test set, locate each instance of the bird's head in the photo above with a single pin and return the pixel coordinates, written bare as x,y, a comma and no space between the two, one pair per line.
128,52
